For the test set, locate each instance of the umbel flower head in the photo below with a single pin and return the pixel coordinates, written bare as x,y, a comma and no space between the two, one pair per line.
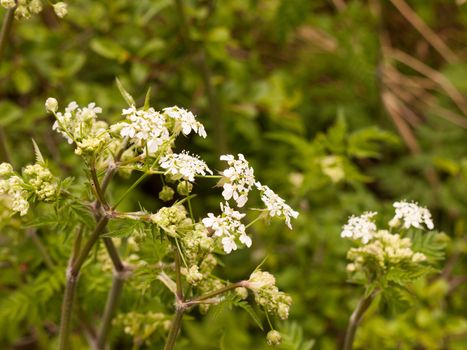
360,227
239,179
228,228
184,166
411,215
275,205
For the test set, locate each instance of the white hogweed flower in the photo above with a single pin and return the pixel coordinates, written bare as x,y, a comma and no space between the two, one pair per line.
412,215
275,205
186,119
360,227
51,105
60,9
239,179
145,128
228,227
183,165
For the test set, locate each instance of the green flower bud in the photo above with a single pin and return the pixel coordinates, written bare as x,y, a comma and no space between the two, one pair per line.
184,188
166,194
274,338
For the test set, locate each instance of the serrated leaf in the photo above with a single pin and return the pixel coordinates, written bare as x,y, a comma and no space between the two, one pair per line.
37,151
247,307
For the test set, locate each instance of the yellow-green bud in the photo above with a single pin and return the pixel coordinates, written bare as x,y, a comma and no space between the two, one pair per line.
166,194
274,337
60,9
184,188
51,105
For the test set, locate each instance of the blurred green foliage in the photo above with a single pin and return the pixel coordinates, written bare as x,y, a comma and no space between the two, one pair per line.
297,87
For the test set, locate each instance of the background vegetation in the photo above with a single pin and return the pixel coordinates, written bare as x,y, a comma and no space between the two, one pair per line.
340,106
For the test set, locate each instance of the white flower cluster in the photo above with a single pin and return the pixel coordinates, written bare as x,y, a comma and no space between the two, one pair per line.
183,165
239,179
13,188
412,215
80,125
275,205
45,185
144,128
360,227
228,227
184,120
385,250
263,285
25,8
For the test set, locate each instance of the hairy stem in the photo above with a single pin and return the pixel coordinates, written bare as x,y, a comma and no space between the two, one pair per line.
354,320
67,306
174,329
110,306
215,293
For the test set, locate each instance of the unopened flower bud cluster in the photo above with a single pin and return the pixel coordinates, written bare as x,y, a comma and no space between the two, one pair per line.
263,285
380,249
37,182
143,327
26,8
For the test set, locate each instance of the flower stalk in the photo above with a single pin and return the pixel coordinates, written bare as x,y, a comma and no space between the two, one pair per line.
355,318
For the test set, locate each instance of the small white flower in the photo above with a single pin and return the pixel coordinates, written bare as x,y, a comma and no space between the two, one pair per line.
145,128
412,215
183,165
275,205
229,227
60,9
239,179
51,105
186,119
360,227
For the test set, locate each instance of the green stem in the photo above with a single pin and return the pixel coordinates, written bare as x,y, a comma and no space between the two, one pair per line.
131,188
4,34
31,233
215,293
67,306
111,305
355,319
174,329
99,229
6,28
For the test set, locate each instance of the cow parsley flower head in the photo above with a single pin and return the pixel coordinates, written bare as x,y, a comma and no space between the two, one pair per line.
360,227
144,128
184,120
412,215
228,228
239,179
184,166
275,205
80,125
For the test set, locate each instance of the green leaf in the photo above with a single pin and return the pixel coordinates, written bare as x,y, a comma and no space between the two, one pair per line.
247,307
22,81
109,49
127,97
37,151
